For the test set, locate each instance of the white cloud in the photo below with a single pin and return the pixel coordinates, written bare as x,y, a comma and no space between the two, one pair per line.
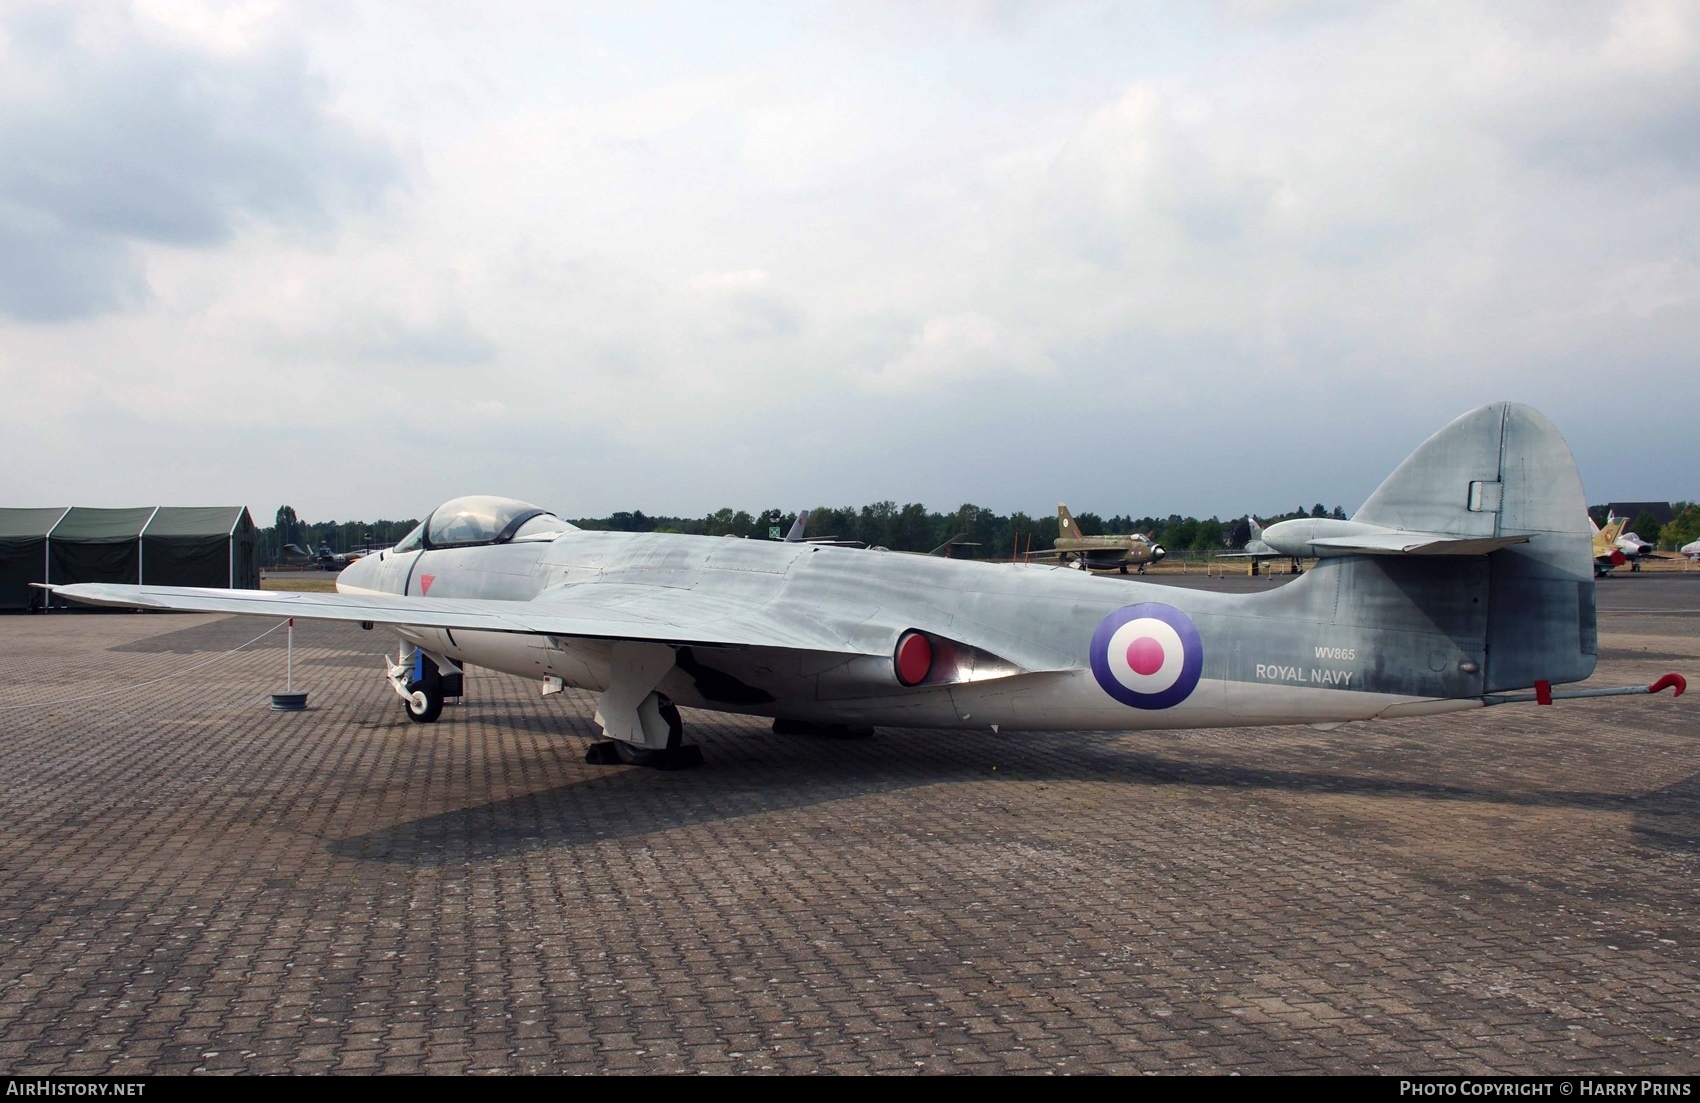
117,135
752,279
690,254
960,348
801,144
222,27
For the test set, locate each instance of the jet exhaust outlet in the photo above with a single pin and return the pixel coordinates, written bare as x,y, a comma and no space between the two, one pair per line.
913,658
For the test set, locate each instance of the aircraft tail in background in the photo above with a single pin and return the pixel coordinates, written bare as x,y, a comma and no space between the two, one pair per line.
1067,528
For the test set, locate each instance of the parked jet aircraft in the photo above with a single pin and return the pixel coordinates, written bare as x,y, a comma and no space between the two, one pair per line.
1613,547
799,526
1692,550
1637,550
795,536
1463,582
1258,550
1607,555
1099,552
949,547
324,559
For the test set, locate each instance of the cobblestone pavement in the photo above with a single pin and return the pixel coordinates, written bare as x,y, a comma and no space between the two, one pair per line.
191,882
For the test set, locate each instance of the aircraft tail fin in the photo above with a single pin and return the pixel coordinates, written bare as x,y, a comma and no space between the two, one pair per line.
795,536
1066,525
1498,471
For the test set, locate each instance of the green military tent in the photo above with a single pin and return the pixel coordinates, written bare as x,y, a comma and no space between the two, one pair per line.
201,546
23,553
157,545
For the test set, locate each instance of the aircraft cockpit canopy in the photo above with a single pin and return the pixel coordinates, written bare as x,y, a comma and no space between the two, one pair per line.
480,519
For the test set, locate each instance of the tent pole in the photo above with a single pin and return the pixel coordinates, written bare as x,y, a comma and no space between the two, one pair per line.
47,551
139,536
230,538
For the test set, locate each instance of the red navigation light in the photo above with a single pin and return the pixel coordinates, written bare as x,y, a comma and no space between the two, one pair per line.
913,658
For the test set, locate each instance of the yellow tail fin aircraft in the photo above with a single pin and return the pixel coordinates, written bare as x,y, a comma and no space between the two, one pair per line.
1607,555
1099,553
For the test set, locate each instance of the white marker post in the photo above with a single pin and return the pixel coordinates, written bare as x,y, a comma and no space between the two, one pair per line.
289,700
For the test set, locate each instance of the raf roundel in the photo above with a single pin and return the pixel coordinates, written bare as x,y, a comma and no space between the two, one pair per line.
1147,655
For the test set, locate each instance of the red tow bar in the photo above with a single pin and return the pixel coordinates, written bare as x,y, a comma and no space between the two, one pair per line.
1667,682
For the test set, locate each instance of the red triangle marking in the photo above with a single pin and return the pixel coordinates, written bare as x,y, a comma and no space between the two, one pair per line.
425,581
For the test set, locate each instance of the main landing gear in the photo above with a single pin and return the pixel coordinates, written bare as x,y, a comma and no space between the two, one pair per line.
641,723
674,755
423,683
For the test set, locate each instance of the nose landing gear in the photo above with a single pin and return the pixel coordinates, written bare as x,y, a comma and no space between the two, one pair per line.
423,684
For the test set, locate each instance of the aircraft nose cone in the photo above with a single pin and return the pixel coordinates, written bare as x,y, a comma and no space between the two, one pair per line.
362,574
1157,552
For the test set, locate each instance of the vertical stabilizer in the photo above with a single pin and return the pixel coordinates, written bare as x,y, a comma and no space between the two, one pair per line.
1501,470
1066,526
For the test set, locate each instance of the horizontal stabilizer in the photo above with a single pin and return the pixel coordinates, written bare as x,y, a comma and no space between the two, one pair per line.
1418,543
1320,537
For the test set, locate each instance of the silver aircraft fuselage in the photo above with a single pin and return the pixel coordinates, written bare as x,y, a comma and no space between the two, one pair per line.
1024,635
1464,580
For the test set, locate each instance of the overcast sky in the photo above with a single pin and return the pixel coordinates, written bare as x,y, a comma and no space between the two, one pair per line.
1145,258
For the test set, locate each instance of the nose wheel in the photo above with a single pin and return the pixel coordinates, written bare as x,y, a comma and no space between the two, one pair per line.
424,704
423,684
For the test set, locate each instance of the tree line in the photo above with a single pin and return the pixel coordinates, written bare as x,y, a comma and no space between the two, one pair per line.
885,524
910,527
915,528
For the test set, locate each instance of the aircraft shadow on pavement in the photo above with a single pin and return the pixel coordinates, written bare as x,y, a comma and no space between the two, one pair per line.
631,802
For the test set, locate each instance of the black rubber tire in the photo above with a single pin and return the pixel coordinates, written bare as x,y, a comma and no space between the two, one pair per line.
675,725
433,705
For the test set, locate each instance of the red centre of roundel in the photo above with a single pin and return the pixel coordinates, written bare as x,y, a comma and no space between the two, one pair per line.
1145,655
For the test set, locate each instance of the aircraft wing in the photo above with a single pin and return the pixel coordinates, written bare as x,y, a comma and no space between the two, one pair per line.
610,611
